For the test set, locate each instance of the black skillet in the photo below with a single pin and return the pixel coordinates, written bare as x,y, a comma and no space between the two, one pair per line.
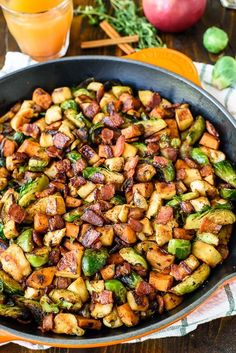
71,71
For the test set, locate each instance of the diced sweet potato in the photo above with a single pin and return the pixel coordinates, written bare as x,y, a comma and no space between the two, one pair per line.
41,223
30,147
210,141
172,125
41,278
160,281
127,315
89,323
180,164
72,202
108,272
126,233
8,148
72,230
180,233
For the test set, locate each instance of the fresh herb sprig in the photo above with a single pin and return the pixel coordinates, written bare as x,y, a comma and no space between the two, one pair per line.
126,18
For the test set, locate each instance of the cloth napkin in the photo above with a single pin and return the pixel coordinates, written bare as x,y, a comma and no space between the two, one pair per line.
223,303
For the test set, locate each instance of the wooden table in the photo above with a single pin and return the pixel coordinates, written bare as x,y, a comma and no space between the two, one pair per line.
219,335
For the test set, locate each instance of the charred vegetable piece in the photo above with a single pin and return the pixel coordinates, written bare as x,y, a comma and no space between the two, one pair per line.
142,148
229,194
226,171
119,290
93,261
131,280
207,253
28,190
185,197
218,216
168,172
152,126
18,137
69,104
37,164
48,306
9,285
65,298
193,281
38,257
89,172
73,215
14,262
131,256
67,324
25,240
180,248
196,130
15,312
73,156
118,200
199,156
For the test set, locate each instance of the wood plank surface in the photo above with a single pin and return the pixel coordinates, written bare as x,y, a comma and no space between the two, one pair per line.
217,336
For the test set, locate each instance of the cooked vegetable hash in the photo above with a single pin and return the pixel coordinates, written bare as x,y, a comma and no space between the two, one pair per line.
114,205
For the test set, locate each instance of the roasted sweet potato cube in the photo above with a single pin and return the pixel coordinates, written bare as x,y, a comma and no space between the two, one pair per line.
172,300
41,278
41,223
126,233
127,315
172,125
89,323
108,272
72,202
8,148
72,230
29,147
210,141
180,164
160,281
180,233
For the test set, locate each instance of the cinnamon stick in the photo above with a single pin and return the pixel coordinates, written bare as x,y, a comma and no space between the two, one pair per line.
108,42
112,33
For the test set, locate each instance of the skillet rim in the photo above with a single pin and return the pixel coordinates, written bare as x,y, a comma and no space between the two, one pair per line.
158,325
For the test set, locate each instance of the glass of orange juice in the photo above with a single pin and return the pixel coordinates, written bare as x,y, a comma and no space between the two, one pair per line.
40,27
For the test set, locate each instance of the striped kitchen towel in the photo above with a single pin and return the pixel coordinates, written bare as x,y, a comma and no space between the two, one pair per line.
223,303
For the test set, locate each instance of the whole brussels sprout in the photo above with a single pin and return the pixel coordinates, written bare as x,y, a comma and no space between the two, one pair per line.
215,40
224,72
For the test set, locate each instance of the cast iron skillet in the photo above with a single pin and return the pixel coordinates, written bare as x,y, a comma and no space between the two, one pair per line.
71,71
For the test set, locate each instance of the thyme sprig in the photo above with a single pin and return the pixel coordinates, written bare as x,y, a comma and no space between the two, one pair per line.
126,18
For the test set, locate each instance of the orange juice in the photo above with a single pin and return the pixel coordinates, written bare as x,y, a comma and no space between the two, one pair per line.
41,28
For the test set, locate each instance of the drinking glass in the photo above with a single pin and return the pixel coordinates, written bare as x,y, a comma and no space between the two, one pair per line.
41,28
